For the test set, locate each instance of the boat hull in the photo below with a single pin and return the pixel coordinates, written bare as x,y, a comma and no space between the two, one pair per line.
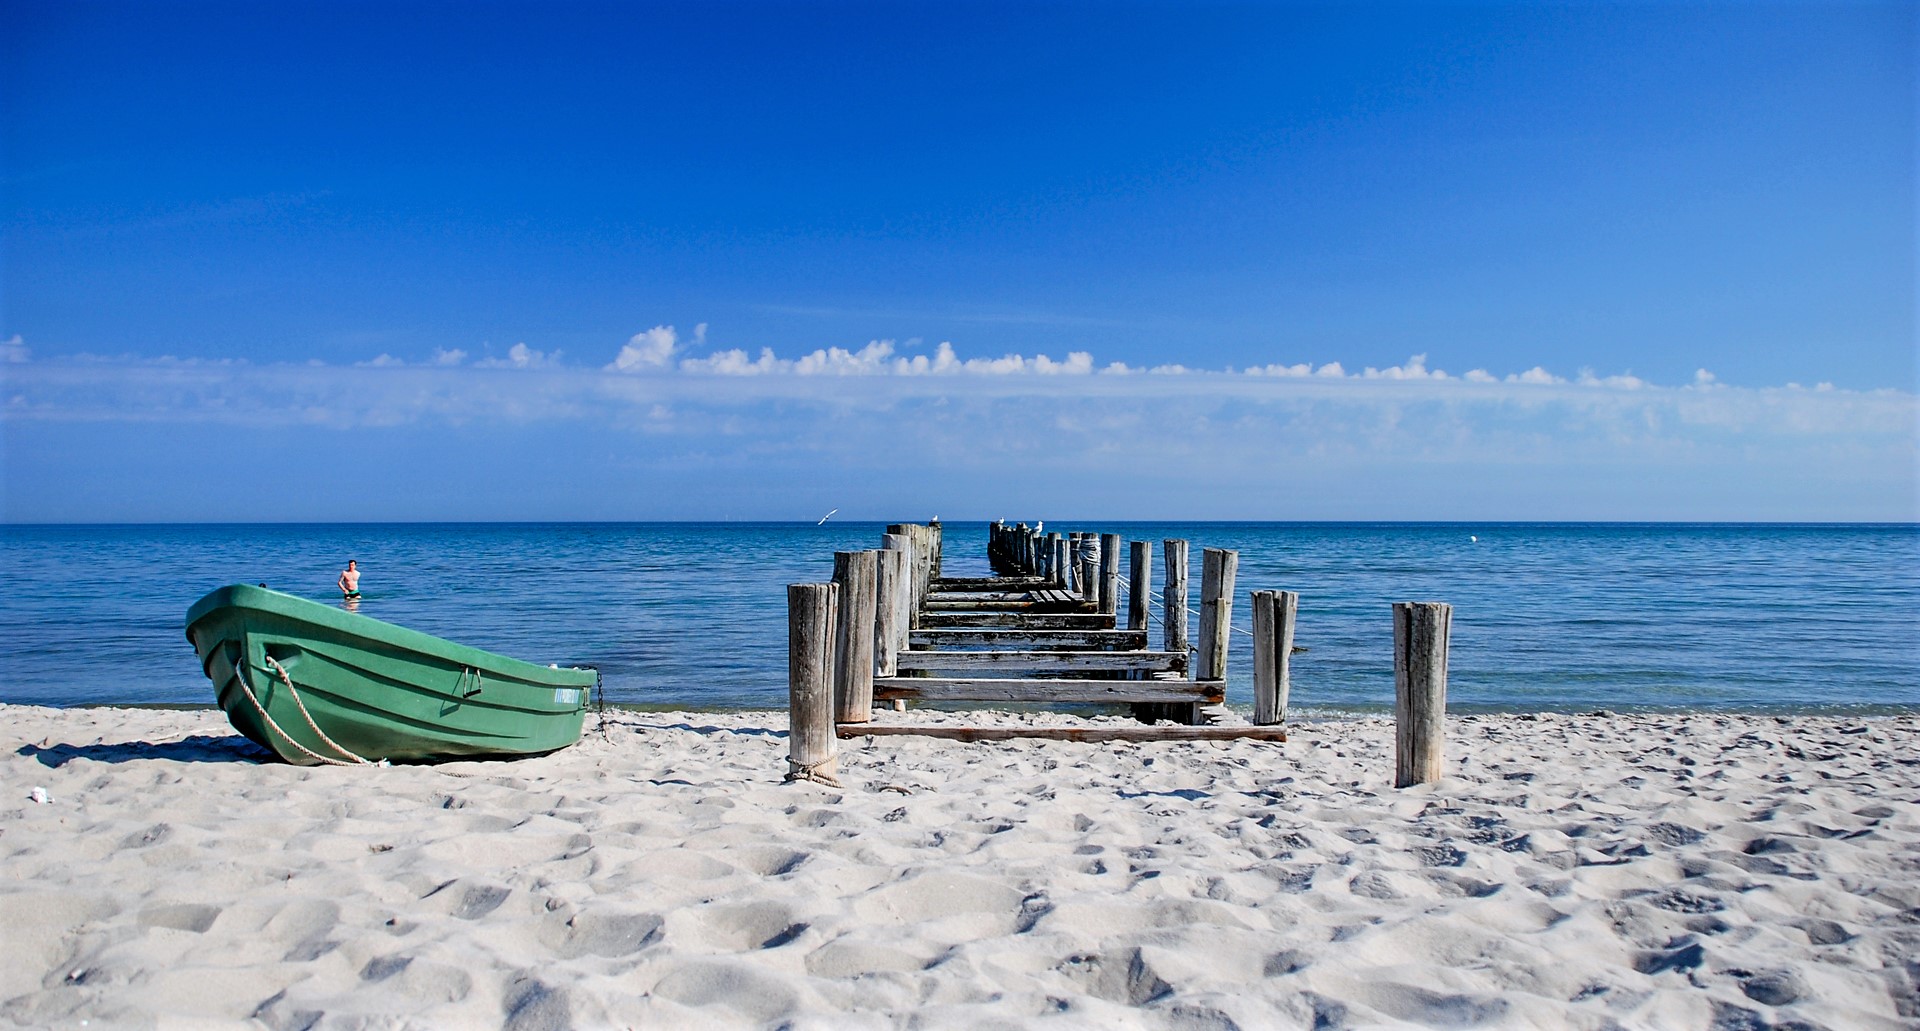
314,684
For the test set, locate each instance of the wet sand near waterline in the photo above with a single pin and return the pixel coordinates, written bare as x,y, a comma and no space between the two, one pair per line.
1586,872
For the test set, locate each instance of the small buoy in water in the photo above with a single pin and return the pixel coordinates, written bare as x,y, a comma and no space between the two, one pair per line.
1472,538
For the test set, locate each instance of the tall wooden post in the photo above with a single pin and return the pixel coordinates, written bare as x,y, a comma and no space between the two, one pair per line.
1217,570
1059,566
1109,573
1139,583
1421,632
919,566
889,584
1090,567
1173,600
903,598
923,558
812,611
855,572
1173,629
1273,613
936,546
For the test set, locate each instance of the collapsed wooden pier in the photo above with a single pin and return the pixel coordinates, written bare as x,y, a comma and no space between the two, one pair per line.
1046,628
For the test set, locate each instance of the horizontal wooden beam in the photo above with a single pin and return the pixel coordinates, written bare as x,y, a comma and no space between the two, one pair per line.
1089,734
978,596
987,583
1018,620
1013,637
948,689
1048,661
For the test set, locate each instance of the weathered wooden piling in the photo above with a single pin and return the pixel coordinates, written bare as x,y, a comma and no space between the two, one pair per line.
1217,570
936,543
1421,632
1173,600
812,615
1139,583
903,596
889,584
1090,567
920,571
1059,566
1110,573
1173,634
855,572
1273,614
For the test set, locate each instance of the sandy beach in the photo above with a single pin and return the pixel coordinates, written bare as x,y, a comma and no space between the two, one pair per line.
1638,871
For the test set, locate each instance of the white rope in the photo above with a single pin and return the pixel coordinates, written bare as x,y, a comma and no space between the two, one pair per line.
247,689
1155,595
302,706
812,771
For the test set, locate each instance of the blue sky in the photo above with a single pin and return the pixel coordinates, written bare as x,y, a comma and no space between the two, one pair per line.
1075,261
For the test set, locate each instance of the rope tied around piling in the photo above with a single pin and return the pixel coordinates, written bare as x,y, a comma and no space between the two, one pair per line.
812,772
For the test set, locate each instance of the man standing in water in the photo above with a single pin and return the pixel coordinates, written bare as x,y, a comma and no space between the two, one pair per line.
350,581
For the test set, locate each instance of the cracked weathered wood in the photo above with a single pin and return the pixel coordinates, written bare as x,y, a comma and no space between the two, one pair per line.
1273,614
1139,584
889,581
1420,637
856,573
811,612
1110,572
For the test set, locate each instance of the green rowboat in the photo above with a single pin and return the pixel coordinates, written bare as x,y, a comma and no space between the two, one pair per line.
318,685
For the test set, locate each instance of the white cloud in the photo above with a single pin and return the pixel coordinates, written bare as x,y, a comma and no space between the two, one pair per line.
1291,371
975,423
1415,368
878,359
520,356
837,361
652,349
735,363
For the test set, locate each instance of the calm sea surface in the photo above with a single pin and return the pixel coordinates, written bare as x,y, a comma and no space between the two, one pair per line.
1546,616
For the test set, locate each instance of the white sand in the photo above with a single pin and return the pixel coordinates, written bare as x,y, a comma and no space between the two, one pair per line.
1667,872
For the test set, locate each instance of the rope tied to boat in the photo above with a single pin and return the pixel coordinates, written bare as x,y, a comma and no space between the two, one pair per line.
304,714
240,676
812,771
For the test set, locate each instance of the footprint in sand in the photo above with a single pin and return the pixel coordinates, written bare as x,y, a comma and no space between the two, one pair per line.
754,993
467,900
599,933
184,916
735,928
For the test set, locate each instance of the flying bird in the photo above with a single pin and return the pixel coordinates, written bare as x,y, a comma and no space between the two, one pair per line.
824,518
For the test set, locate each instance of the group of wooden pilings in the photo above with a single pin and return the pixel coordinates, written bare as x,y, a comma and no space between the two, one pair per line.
840,634
1089,564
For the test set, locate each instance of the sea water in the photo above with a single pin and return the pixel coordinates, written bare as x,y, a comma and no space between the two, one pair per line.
1546,616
